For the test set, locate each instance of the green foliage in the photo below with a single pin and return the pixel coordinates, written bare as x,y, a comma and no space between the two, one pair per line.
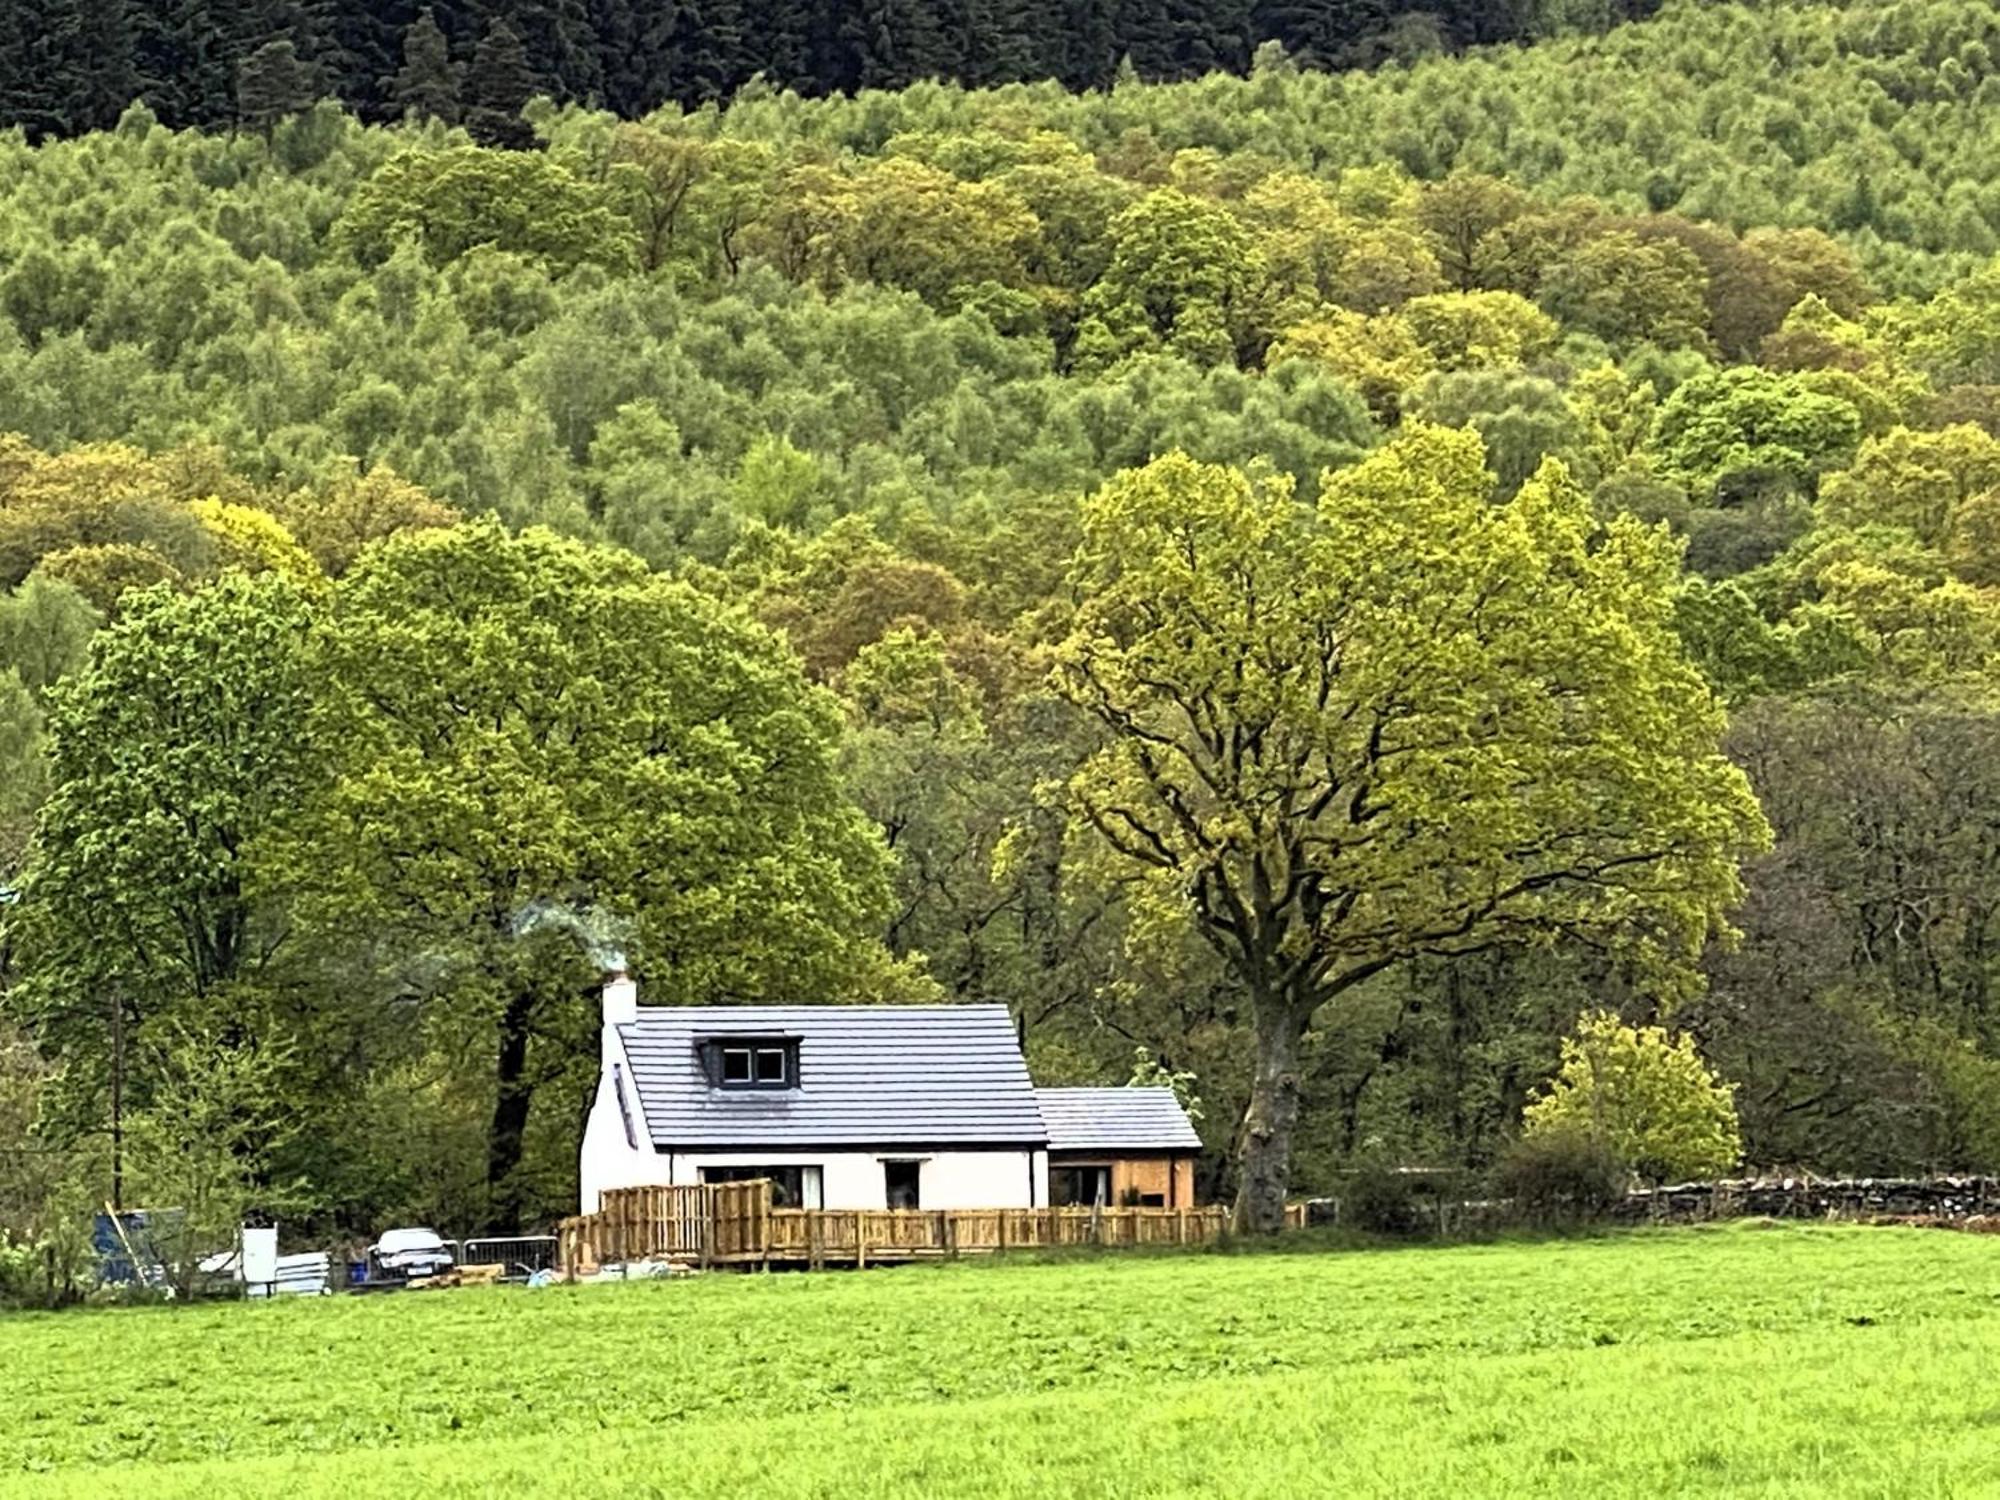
1321,756
1729,431
1561,1175
203,1150
1645,1096
452,201
520,724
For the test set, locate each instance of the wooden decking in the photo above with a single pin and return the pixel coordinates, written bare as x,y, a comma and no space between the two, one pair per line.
734,1224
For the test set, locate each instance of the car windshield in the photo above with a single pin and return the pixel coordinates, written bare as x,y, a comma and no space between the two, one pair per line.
399,1241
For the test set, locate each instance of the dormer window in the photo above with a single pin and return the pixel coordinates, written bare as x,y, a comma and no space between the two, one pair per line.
751,1062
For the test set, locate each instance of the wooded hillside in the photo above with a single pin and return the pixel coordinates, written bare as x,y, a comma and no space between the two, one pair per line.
730,536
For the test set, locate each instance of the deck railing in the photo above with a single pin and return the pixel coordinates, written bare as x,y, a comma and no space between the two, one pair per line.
733,1223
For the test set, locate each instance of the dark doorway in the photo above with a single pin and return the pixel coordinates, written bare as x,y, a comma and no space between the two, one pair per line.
899,1179
1079,1187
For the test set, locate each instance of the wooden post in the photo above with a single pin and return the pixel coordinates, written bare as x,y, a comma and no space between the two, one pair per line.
707,1220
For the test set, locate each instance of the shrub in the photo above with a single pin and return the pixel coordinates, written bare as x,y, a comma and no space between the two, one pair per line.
1561,1175
1646,1096
1378,1199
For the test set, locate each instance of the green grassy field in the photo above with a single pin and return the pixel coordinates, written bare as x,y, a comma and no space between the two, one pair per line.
1804,1361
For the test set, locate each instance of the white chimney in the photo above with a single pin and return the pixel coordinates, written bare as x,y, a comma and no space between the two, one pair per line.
621,998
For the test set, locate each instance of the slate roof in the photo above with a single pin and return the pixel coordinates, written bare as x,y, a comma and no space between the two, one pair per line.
869,1075
1116,1119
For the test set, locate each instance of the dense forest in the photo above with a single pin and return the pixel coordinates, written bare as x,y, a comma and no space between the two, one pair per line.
68,66
719,535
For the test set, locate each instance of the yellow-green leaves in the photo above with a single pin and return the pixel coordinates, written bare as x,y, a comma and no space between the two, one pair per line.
1646,1095
1407,719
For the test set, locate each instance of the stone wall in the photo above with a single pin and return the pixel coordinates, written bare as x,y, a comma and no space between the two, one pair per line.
1937,1198
1950,1202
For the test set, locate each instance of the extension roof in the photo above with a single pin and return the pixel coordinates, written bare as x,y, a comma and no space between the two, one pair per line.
1116,1120
868,1075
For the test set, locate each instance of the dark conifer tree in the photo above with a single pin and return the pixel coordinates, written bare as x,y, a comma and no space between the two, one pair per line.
708,50
500,81
1087,55
105,78
187,52
1319,33
787,33
273,82
427,84
367,38
561,45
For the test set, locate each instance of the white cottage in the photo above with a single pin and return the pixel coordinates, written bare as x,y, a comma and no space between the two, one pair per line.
843,1106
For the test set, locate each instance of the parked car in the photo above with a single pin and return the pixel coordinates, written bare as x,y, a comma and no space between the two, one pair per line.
408,1254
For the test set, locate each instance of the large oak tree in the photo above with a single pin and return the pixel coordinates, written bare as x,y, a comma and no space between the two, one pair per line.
1404,721
527,728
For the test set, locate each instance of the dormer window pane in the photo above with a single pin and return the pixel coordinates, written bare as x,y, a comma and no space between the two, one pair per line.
736,1065
770,1064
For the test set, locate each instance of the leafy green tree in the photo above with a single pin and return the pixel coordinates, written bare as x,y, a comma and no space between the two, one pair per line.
1184,276
1920,481
1646,1094
1626,290
173,754
45,630
206,1145
1461,217
1468,330
527,725
1321,755
1728,430
1523,419
455,200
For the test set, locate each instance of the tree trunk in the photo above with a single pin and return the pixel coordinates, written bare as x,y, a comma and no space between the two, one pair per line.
510,1116
1268,1123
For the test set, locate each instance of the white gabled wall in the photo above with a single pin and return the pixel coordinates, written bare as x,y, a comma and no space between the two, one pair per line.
609,1159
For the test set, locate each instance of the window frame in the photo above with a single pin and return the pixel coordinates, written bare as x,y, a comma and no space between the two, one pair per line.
756,1054
804,1182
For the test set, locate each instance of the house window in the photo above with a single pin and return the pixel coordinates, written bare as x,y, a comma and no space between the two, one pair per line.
1074,1187
899,1183
624,1110
750,1062
791,1186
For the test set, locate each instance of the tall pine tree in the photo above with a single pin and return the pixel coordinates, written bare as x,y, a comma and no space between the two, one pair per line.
500,82
273,82
426,85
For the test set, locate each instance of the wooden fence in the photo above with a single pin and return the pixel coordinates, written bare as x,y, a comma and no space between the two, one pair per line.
734,1223
702,1224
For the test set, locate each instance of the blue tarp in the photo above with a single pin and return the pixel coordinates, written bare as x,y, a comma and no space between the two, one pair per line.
143,1228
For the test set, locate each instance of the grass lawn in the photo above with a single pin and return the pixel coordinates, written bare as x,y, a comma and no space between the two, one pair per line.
1807,1361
